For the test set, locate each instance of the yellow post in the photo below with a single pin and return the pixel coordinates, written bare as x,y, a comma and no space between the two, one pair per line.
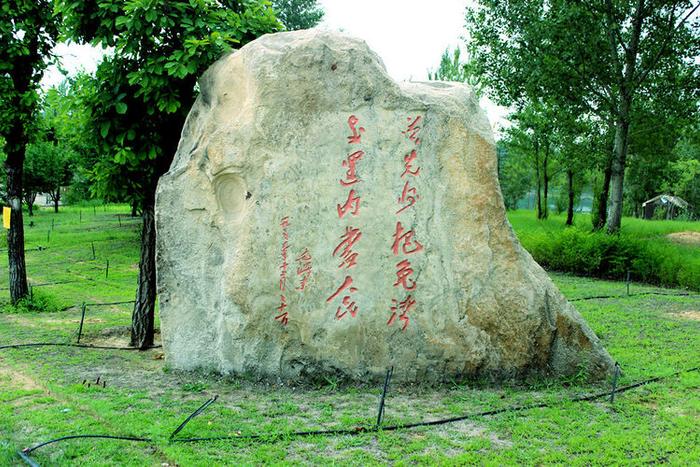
6,212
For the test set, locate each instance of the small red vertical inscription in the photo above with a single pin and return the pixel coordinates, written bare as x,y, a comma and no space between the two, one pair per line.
404,242
283,314
304,268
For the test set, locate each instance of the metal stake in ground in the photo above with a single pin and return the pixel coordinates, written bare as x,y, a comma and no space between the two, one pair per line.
616,375
387,379
82,319
81,216
119,216
48,236
93,249
107,270
628,283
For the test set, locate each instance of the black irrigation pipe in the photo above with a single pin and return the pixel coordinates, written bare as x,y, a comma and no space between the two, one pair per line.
443,421
28,451
24,454
68,344
192,415
596,297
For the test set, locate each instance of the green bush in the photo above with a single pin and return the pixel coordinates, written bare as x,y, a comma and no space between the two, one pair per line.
651,260
38,302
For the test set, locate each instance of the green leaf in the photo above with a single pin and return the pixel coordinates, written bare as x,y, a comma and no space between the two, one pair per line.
104,128
121,108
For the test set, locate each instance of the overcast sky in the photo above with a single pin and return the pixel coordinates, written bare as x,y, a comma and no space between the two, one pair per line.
409,35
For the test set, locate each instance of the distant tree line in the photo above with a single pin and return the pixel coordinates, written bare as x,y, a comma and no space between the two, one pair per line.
603,93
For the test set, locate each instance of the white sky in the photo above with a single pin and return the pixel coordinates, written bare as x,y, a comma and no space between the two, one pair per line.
409,35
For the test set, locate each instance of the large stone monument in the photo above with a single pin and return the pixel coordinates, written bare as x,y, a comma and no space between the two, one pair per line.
321,220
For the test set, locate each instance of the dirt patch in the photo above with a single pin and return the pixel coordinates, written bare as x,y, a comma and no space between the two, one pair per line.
689,314
117,336
686,238
18,380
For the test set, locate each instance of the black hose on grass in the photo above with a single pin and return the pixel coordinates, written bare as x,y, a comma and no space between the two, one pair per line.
192,415
27,451
358,430
24,454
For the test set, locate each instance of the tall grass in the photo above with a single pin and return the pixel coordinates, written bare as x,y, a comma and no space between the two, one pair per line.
642,248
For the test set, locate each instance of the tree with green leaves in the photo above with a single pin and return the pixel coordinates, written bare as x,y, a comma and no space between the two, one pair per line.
47,170
453,68
142,94
514,170
598,55
298,14
27,35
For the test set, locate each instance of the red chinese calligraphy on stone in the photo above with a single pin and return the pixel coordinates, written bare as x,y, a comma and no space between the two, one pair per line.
356,136
403,273
408,195
405,240
350,163
304,268
407,160
400,310
285,245
283,317
347,284
353,202
350,307
412,131
348,240
347,301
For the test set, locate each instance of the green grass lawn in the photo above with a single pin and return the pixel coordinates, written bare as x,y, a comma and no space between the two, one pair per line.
47,392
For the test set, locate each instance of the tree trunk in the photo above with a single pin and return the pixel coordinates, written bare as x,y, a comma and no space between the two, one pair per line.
570,210
539,181
617,173
601,216
29,199
545,175
56,198
144,308
15,236
134,208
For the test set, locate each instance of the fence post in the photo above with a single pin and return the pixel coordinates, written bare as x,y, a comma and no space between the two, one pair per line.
82,318
107,270
616,375
380,414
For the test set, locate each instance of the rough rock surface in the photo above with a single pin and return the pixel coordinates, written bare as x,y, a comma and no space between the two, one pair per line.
303,168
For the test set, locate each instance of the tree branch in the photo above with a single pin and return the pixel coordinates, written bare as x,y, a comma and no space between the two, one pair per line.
658,55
